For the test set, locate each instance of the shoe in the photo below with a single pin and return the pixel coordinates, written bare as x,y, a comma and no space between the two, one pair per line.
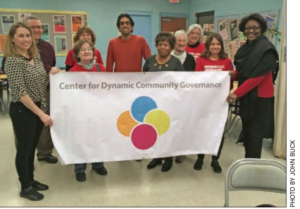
198,164
39,186
154,163
31,194
167,165
80,177
101,171
138,160
49,159
180,159
216,166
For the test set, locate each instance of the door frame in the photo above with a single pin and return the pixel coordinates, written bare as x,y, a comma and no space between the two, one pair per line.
132,12
167,14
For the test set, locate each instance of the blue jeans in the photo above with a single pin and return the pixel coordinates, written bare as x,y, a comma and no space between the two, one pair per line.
80,168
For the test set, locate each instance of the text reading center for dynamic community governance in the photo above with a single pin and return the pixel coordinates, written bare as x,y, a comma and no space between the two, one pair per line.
138,85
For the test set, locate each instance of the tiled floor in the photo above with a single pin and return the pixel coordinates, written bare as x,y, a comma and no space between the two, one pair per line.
129,183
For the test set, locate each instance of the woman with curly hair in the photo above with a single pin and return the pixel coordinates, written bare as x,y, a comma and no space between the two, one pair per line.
163,61
257,66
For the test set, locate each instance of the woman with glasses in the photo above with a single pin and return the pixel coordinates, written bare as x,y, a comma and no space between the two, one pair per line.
83,33
257,66
84,53
195,46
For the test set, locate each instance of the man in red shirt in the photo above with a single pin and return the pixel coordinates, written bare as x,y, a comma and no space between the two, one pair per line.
126,52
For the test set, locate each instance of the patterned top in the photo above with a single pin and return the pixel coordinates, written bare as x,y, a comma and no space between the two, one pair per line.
27,79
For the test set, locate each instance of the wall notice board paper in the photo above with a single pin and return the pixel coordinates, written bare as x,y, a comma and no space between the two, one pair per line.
59,27
233,38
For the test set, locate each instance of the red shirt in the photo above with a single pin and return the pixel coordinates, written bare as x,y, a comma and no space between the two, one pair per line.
265,86
70,60
206,64
127,55
79,68
196,52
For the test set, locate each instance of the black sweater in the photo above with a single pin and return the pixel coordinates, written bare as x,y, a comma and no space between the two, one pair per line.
189,63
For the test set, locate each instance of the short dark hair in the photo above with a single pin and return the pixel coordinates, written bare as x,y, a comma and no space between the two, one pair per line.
165,36
124,15
78,45
258,18
206,53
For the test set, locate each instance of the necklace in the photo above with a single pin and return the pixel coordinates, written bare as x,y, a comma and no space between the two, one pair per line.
158,62
160,65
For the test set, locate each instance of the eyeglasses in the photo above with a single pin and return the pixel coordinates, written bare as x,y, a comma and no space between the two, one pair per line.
254,29
195,33
86,49
125,23
36,27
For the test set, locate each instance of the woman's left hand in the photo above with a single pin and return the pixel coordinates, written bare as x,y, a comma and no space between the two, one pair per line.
54,70
232,98
231,73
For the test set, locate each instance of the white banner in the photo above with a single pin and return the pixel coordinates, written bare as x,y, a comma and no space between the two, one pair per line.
125,116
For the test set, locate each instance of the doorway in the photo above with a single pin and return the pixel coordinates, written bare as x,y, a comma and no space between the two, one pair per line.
171,22
143,26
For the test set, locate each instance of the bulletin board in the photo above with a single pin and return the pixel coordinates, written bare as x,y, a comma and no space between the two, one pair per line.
233,38
59,27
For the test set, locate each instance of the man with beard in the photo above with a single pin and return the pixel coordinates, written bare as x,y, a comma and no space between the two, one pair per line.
126,52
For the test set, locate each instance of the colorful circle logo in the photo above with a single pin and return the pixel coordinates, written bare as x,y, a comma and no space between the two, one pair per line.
143,123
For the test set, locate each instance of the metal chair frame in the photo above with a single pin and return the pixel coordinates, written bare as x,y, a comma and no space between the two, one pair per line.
263,169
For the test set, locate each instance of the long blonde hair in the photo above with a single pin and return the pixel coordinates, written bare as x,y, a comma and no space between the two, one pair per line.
10,49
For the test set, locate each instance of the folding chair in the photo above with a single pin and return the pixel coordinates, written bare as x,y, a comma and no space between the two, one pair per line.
255,174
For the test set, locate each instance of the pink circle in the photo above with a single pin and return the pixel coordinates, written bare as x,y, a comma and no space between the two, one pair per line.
143,136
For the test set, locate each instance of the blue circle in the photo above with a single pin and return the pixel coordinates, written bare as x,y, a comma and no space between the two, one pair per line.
141,106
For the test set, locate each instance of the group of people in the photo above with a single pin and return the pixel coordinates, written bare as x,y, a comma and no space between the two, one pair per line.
29,60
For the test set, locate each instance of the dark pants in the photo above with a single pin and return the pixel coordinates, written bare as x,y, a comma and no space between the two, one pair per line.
215,157
27,127
45,144
165,158
257,127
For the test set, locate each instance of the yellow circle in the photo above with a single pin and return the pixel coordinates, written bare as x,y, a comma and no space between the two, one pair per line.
159,119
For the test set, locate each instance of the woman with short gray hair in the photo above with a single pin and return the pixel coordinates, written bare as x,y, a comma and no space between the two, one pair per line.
195,46
186,59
